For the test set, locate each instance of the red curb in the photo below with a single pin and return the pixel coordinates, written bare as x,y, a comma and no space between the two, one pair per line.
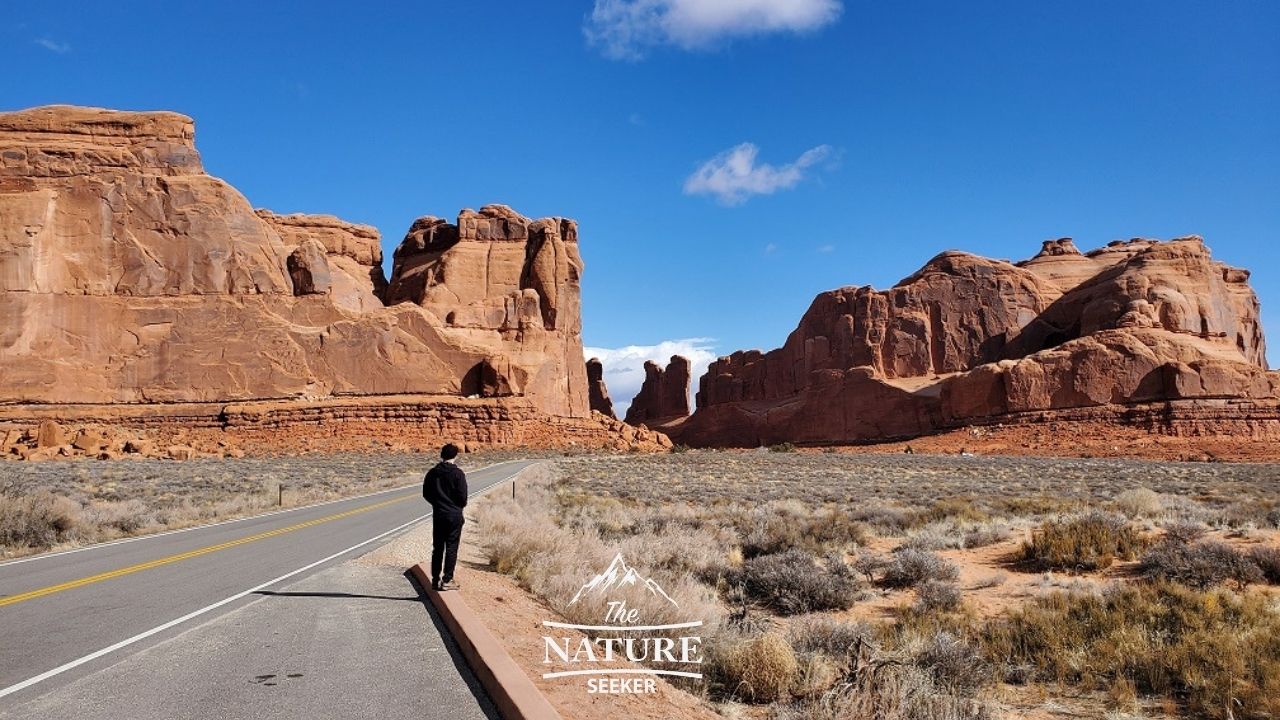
510,689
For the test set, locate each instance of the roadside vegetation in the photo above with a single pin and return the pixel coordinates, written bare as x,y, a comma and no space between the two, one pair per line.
61,504
837,586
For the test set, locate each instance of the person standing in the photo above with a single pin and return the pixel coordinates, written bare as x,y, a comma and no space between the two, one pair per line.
445,487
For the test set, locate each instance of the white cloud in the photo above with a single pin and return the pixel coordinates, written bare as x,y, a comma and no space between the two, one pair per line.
826,248
733,175
625,29
624,366
54,46
771,248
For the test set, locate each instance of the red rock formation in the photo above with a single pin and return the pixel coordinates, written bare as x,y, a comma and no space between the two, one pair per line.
129,275
967,339
597,392
664,396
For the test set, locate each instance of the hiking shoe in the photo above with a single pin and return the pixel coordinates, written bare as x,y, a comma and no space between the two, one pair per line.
449,585
437,585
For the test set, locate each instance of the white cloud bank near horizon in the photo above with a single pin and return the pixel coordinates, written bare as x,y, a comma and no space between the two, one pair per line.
624,366
627,29
733,176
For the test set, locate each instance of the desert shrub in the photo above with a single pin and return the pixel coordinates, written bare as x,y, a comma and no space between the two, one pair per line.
792,582
935,536
953,535
887,519
1036,505
1139,502
777,527
1082,543
38,521
680,448
760,669
955,663
937,596
1268,561
961,508
887,689
1216,651
1199,565
985,534
782,447
831,637
909,568
1184,531
868,563
120,517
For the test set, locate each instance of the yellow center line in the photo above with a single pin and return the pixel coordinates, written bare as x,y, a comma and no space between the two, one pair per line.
13,599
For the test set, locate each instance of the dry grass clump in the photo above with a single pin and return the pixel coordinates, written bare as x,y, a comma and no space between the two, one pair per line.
1216,651
792,582
932,678
909,567
1201,564
952,534
1140,502
523,540
937,596
1184,531
38,520
1083,543
1268,561
755,668
786,525
834,638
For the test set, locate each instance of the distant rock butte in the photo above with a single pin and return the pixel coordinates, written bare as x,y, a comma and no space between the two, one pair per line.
1140,331
130,276
664,396
597,392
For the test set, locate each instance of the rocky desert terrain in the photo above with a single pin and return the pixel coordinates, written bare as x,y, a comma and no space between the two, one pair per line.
899,586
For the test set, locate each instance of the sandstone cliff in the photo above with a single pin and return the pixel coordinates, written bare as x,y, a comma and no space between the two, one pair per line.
664,396
597,391
967,339
128,275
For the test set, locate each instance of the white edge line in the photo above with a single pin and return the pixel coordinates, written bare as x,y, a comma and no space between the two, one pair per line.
673,626
111,543
622,671
197,613
161,628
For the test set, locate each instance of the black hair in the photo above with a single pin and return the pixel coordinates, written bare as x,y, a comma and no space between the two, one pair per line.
449,452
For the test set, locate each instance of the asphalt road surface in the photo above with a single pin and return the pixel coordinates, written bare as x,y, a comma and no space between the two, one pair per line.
184,623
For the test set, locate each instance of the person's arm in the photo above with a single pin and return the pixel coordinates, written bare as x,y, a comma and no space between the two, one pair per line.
429,487
460,488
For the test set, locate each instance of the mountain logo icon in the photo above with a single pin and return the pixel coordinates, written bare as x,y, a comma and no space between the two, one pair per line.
620,575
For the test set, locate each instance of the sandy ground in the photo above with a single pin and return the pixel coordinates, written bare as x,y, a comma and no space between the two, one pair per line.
515,617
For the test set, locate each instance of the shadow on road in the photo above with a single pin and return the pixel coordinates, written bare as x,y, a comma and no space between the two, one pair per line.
459,662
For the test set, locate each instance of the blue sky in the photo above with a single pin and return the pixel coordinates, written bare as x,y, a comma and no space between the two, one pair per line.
883,133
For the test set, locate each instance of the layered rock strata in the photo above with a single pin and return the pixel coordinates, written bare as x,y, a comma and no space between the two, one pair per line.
130,276
970,340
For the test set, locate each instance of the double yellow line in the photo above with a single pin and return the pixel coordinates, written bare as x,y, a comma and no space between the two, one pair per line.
50,590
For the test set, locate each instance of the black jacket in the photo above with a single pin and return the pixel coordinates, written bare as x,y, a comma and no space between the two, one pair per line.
445,487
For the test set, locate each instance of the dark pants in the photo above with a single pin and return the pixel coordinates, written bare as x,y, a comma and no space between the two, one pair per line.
446,531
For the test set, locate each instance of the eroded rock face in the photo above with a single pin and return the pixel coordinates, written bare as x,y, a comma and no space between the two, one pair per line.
597,392
664,396
128,275
967,339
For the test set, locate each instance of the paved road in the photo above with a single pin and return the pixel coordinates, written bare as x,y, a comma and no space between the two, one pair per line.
65,617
